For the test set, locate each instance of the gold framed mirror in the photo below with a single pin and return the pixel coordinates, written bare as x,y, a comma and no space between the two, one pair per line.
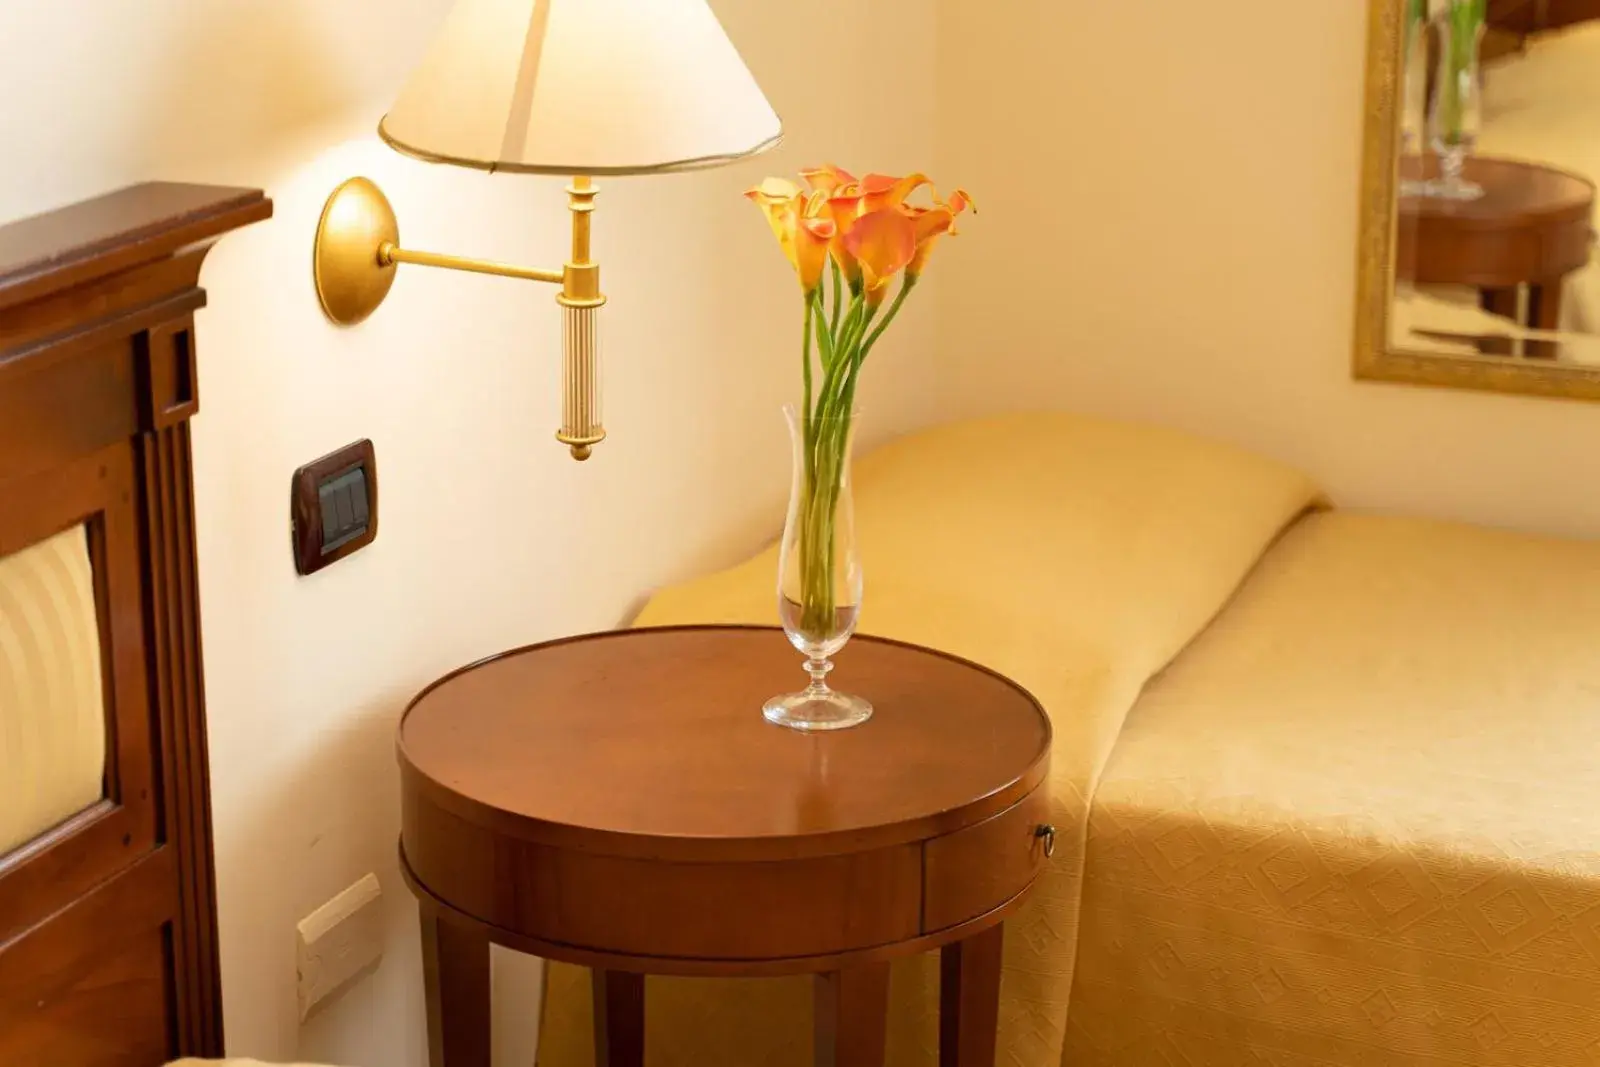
1477,264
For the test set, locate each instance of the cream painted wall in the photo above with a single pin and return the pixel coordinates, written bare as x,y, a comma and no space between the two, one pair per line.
1168,232
491,536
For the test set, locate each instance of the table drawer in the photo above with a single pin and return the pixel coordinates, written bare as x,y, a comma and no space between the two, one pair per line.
710,911
977,869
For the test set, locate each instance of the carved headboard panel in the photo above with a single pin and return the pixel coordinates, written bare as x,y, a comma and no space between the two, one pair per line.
108,954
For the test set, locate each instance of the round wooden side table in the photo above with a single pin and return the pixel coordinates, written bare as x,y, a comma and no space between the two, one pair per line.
1532,226
618,801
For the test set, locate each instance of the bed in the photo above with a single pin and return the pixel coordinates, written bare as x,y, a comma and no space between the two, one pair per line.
1329,775
108,954
1358,820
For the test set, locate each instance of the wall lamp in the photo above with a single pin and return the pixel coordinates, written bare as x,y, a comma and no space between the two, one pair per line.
582,88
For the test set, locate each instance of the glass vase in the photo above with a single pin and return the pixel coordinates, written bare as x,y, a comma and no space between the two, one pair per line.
819,572
1413,98
1456,112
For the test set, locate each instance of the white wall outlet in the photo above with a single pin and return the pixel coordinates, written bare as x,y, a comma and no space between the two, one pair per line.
339,943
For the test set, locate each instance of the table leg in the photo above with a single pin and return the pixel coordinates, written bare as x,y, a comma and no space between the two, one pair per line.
1504,303
1544,313
618,1019
969,999
455,978
851,1016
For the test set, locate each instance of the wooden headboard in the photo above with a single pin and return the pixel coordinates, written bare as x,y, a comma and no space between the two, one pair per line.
108,945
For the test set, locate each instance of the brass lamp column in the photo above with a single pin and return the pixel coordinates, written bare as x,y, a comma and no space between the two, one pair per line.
511,86
580,301
353,262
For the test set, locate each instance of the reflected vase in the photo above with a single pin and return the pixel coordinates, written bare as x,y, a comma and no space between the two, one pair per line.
1456,113
1414,94
819,572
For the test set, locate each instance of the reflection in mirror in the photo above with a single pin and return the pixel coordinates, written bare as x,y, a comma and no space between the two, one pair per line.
52,719
1498,115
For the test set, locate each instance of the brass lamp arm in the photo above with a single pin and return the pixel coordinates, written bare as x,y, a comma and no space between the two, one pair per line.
357,250
390,253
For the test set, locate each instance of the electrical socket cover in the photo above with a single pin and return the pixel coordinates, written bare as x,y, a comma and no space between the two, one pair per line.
339,943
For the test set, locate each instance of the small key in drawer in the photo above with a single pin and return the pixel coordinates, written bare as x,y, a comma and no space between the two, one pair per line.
977,869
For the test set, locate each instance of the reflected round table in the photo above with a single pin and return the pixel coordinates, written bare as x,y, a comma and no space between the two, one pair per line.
1531,227
618,801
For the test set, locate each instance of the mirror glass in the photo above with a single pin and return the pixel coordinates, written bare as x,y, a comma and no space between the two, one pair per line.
1492,109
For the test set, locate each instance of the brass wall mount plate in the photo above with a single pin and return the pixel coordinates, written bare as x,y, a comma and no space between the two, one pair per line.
346,261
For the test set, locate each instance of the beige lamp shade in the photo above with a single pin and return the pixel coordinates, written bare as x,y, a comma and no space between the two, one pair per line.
582,87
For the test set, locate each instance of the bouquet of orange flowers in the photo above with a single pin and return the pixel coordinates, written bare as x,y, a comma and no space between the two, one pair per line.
863,233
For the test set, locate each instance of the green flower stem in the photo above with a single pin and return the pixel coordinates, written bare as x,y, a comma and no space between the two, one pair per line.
844,338
825,343
1416,18
906,286
828,351
1466,19
845,346
805,373
838,290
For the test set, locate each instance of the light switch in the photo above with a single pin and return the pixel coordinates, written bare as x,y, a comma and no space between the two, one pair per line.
333,506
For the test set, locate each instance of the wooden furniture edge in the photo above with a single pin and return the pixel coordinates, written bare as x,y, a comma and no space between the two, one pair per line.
693,849
97,358
70,246
689,967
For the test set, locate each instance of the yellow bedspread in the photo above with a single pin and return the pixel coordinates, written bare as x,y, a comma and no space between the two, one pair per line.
1074,555
1358,821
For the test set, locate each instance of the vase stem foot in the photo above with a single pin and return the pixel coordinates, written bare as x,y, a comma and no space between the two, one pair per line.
818,667
817,707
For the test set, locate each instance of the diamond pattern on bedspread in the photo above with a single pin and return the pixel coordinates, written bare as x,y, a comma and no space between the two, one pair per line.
1377,774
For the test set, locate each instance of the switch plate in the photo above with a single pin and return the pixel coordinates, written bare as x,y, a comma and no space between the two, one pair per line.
333,506
339,943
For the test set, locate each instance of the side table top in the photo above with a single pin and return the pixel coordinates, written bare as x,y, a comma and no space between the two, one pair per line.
651,742
1532,225
1515,194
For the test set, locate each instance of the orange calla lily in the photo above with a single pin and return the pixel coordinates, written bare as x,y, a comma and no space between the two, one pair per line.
827,178
837,204
929,224
844,209
883,242
960,201
776,197
811,240
882,191
933,223
804,239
